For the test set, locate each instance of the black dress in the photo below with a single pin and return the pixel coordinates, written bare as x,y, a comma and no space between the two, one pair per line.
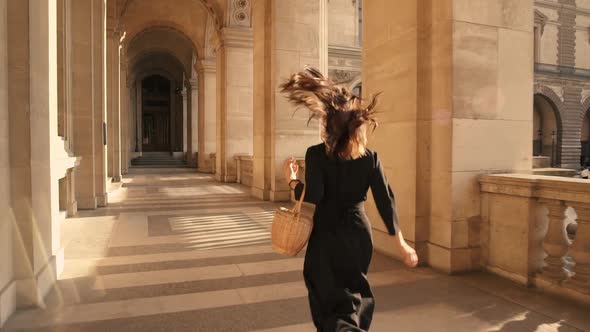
340,247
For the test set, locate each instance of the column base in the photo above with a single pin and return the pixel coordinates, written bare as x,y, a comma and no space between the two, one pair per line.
204,170
31,292
102,200
280,195
116,178
226,178
87,203
453,260
7,302
72,209
261,194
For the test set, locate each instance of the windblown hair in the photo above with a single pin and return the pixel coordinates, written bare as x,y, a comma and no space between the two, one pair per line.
341,113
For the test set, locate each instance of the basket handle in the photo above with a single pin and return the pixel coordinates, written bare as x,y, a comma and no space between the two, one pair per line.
299,202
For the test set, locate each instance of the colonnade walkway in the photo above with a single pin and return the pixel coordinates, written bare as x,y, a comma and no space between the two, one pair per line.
177,251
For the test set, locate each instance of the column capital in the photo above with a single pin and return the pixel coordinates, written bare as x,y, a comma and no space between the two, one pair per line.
194,84
206,66
233,37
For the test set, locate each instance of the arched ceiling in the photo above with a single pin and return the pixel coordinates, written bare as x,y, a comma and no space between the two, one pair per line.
156,62
161,40
215,8
188,17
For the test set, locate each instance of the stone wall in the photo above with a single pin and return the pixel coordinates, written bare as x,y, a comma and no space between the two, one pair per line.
343,23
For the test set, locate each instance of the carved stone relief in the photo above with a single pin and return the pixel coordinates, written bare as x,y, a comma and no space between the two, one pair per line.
238,14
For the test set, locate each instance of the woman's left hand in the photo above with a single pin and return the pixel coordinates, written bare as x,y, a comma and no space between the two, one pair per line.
290,169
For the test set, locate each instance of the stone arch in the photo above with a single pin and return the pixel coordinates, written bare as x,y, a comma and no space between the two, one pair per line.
549,93
355,83
209,5
585,108
161,24
155,51
552,99
129,41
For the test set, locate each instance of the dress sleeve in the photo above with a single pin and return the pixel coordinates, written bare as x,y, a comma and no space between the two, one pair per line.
384,198
314,188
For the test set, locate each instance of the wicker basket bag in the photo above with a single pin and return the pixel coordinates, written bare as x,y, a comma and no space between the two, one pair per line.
290,229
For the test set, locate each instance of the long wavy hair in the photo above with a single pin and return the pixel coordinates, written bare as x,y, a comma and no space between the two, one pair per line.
341,113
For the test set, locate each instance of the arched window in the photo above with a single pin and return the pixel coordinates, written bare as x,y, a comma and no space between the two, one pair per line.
358,90
546,132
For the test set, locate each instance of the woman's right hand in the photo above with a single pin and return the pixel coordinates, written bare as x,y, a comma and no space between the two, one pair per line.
409,255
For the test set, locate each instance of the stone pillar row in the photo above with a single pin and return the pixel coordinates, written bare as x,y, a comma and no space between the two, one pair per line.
113,107
194,123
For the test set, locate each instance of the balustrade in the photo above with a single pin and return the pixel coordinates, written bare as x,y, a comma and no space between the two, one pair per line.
528,244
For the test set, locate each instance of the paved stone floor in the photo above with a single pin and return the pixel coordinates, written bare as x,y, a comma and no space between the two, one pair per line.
176,251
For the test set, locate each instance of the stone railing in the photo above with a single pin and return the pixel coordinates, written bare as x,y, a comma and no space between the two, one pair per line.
244,169
524,231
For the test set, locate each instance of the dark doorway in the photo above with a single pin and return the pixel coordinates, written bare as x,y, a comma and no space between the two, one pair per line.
156,113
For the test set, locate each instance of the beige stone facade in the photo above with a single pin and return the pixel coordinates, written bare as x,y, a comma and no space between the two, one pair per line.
92,89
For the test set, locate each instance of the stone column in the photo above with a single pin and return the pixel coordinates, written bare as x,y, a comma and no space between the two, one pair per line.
184,120
285,44
138,114
7,221
441,107
234,99
113,112
323,35
124,109
83,90
40,241
194,123
174,145
207,113
98,102
19,130
132,120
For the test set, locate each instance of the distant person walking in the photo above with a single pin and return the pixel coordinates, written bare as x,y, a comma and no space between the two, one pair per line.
338,175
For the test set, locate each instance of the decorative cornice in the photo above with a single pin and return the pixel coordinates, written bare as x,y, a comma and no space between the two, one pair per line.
344,52
563,7
541,19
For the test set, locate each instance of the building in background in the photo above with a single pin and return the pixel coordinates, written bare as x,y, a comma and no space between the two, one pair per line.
562,83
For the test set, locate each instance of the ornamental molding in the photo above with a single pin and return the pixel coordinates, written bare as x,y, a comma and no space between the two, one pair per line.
343,76
238,13
234,37
540,20
207,66
344,52
210,32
